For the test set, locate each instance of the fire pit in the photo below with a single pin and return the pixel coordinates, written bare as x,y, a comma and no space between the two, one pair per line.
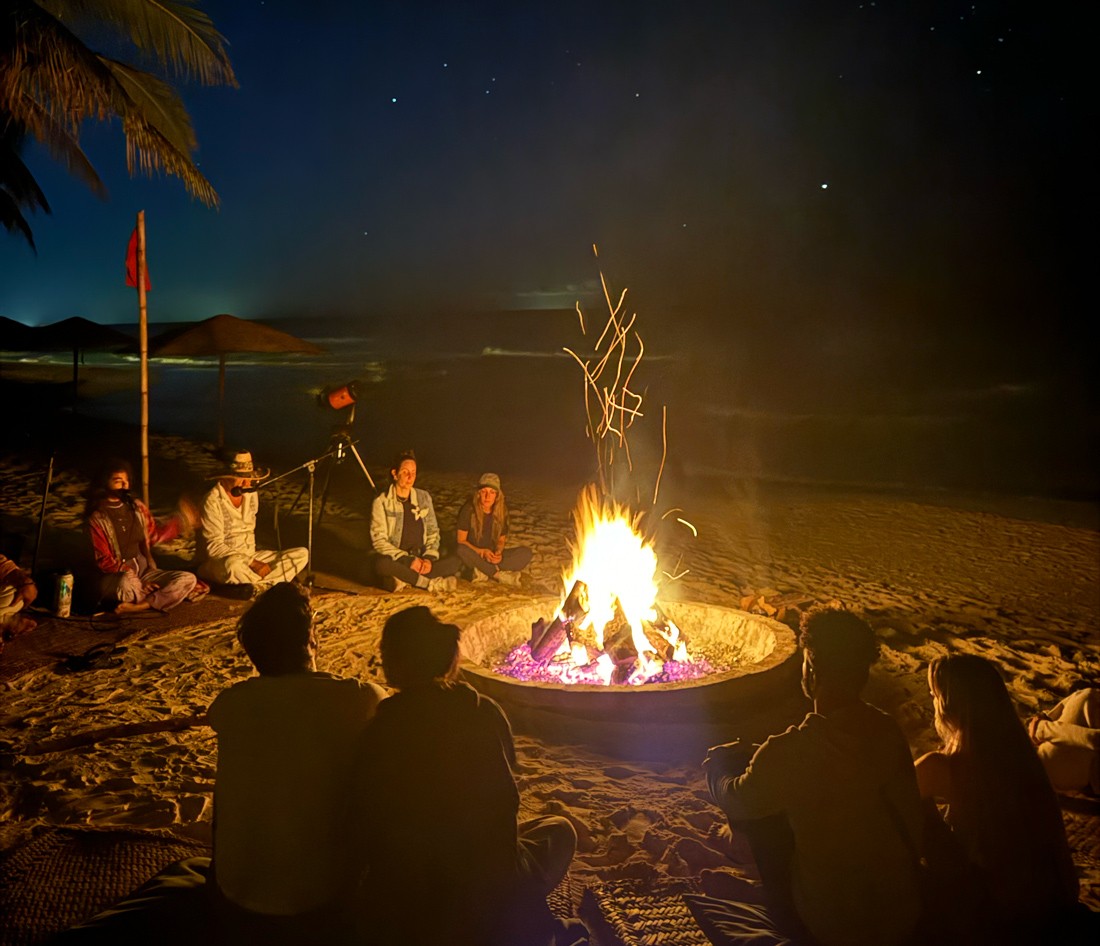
755,693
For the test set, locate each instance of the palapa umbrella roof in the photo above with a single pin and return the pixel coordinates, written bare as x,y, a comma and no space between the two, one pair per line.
78,334
15,336
226,334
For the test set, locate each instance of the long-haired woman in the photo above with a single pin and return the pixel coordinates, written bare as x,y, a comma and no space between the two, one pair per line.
1007,856
482,535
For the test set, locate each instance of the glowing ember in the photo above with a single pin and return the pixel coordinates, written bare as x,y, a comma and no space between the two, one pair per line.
608,627
519,664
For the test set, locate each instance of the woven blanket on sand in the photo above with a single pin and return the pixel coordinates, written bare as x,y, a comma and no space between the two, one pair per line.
636,913
66,875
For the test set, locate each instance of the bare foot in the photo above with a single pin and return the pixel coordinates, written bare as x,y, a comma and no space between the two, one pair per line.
17,626
131,607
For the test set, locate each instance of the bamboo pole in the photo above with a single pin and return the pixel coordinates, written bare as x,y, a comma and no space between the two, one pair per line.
143,331
221,400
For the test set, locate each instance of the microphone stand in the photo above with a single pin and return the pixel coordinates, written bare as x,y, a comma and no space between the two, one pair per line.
311,466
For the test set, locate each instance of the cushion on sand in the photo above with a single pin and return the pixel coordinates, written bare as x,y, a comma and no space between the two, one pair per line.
731,923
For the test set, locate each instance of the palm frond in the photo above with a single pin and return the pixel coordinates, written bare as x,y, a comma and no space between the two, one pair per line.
155,102
149,151
15,176
62,144
18,189
12,218
48,67
180,36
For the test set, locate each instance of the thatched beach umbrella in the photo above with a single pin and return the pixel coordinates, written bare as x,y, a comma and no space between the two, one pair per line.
226,335
15,336
79,335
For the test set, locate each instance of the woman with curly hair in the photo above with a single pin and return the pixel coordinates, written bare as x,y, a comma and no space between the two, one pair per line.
123,532
1002,854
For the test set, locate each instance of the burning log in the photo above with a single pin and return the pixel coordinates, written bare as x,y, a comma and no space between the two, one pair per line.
619,646
547,640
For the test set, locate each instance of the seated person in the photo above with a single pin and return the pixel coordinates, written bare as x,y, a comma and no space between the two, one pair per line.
482,532
830,807
436,807
281,870
229,513
404,534
123,532
17,591
1011,875
1068,741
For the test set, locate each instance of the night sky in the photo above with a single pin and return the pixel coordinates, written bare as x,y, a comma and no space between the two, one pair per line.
865,180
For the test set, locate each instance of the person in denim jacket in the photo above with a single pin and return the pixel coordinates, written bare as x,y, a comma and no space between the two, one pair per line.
404,534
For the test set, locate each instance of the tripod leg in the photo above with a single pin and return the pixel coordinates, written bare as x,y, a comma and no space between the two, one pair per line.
324,493
362,466
42,515
298,498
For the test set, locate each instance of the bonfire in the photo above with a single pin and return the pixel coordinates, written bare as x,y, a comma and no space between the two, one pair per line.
608,626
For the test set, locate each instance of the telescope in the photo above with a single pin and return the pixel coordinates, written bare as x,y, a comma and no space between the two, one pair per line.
340,396
341,445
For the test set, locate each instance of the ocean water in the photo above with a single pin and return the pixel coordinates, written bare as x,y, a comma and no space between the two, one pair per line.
517,406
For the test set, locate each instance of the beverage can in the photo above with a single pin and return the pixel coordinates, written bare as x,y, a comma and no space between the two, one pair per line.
63,600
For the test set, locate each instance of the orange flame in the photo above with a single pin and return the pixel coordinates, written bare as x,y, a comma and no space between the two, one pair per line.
618,565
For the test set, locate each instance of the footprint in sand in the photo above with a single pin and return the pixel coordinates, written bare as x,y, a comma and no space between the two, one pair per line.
621,772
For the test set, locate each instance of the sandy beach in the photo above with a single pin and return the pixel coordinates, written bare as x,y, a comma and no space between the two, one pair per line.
1017,581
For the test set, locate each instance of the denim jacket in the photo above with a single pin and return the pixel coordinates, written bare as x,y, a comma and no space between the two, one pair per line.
387,515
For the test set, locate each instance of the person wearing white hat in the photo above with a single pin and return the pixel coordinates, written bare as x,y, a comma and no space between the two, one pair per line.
482,534
229,513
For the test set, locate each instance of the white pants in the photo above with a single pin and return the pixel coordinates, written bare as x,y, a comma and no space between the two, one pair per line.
236,570
11,602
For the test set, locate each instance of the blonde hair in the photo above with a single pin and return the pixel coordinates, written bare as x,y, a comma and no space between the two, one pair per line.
477,517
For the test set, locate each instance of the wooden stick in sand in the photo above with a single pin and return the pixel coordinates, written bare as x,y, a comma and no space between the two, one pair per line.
119,731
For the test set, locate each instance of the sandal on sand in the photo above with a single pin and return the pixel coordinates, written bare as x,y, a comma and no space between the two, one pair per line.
96,657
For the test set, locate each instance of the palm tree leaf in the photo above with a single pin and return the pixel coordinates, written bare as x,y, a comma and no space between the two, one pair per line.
154,102
13,219
50,68
62,144
181,37
15,176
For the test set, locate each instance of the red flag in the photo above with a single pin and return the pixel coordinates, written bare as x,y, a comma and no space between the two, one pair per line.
132,264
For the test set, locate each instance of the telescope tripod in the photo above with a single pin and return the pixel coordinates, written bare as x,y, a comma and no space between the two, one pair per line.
340,446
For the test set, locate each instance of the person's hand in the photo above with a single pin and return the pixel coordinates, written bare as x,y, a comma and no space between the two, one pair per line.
148,587
28,591
189,515
425,566
494,557
731,757
486,554
1033,730
260,568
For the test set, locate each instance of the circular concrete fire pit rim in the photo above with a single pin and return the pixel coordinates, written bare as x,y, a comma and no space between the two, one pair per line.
786,644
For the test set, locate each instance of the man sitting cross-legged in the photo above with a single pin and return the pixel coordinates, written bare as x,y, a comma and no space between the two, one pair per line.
282,864
229,512
830,807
